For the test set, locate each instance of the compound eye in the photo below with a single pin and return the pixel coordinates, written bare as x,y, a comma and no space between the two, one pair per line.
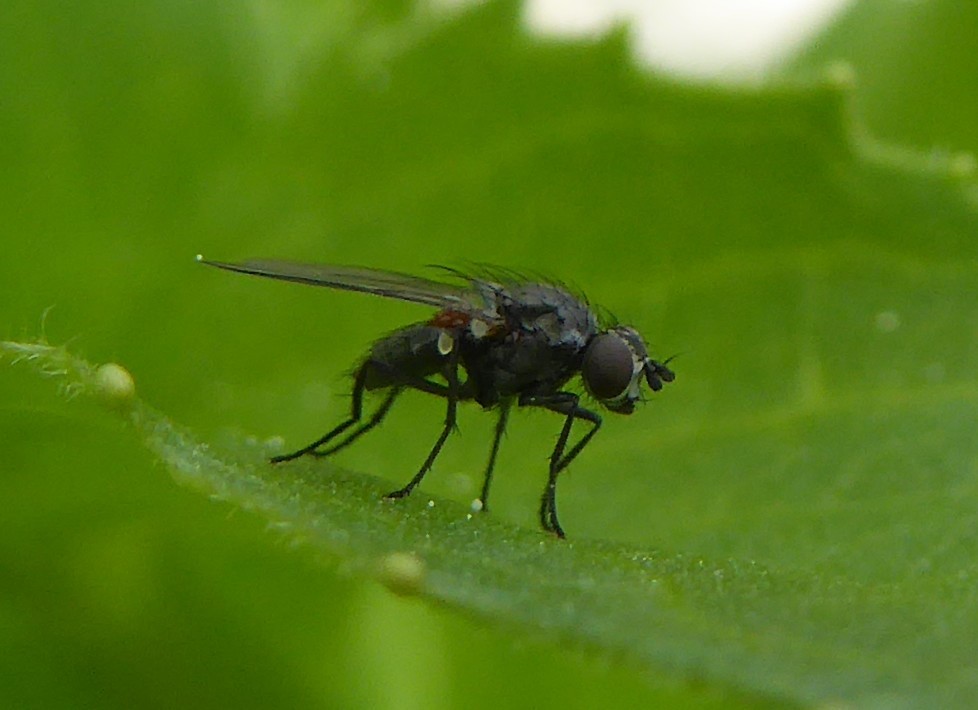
608,366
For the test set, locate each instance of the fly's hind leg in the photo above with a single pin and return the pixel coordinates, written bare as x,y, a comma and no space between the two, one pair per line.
377,372
356,411
375,419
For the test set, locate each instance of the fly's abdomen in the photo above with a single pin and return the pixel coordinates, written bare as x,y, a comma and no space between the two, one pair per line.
408,354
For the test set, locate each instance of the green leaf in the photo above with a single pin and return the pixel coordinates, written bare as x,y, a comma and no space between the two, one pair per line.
794,517
797,635
916,69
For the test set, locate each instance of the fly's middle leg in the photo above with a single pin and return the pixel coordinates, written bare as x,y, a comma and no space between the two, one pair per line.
452,395
500,430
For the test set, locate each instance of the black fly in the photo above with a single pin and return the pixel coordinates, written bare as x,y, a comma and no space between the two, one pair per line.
514,340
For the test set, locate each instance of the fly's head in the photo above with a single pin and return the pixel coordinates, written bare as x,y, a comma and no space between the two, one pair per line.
615,363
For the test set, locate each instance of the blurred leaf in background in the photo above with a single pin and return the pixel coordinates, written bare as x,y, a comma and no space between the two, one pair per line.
916,70
818,284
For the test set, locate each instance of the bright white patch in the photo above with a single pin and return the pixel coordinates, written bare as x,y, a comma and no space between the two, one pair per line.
431,504
478,328
707,39
445,343
635,386
634,389
476,505
115,384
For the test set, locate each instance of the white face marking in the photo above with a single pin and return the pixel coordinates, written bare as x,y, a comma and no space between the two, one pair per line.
635,386
634,390
445,343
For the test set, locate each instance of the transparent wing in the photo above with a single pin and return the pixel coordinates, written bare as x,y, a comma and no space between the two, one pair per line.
389,284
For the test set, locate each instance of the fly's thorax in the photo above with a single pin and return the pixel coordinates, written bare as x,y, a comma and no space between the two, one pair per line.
507,363
562,318
522,337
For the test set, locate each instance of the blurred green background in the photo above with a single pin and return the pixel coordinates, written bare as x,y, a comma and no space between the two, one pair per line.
820,293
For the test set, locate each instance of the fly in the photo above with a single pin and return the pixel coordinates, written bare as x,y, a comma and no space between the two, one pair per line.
495,339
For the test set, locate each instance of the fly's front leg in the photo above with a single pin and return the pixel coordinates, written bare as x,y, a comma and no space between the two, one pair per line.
565,403
452,396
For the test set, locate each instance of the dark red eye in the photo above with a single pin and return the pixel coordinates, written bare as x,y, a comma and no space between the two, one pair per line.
608,366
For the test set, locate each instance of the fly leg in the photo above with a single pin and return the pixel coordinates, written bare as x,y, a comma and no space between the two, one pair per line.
377,418
418,383
565,403
500,429
356,411
452,394
361,379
